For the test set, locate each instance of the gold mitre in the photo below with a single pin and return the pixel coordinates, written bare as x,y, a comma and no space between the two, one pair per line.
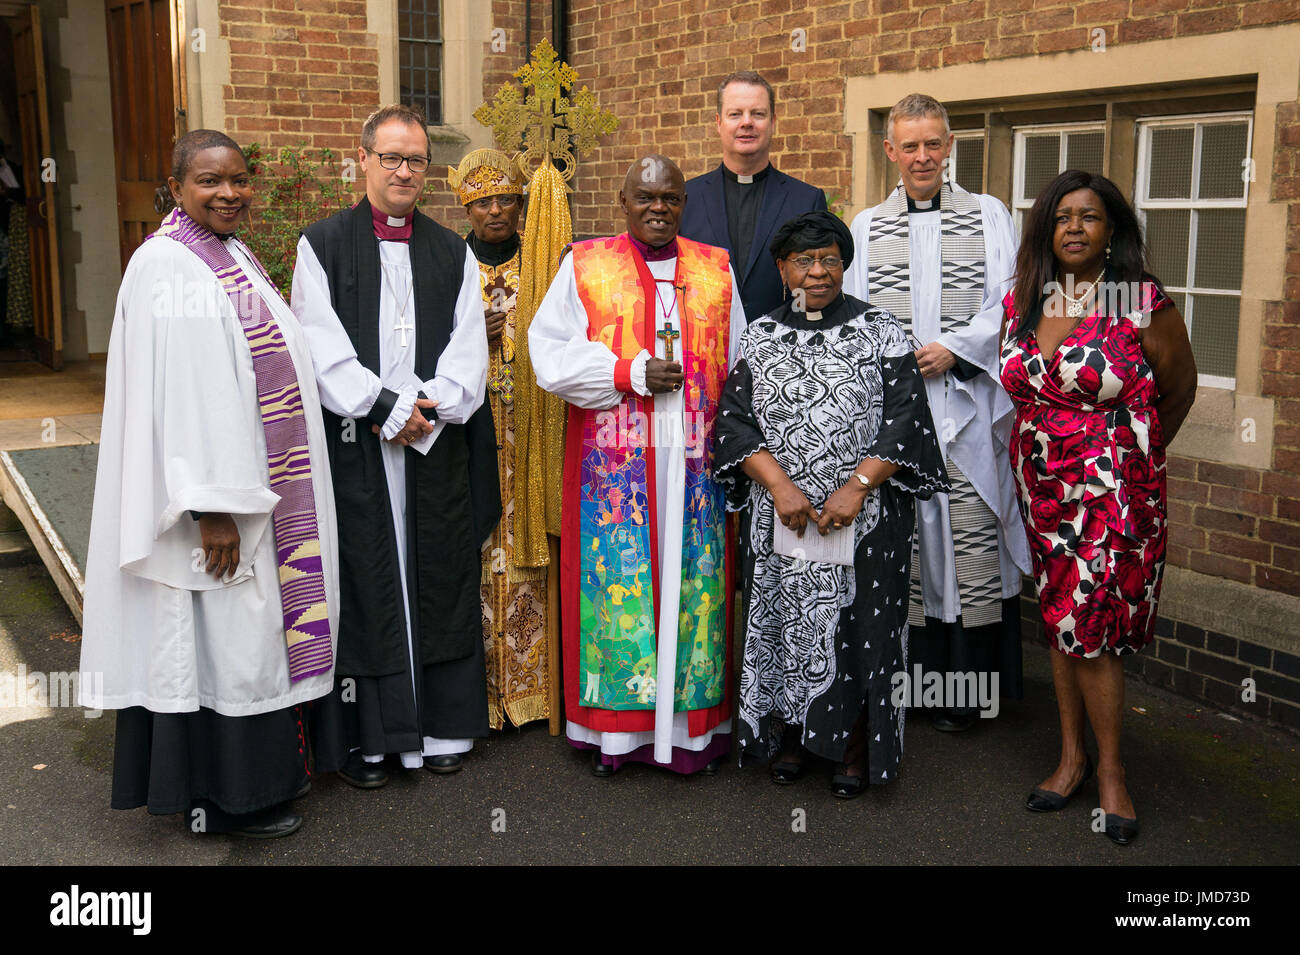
486,172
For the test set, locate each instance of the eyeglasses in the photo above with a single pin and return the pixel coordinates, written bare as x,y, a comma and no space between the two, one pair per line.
803,263
395,160
508,201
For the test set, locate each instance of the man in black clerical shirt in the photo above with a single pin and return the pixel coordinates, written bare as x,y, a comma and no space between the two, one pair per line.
742,203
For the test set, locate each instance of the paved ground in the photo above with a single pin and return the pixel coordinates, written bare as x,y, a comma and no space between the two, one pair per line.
1209,790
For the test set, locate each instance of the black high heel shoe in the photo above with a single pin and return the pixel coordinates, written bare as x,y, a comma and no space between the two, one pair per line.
1044,800
1121,830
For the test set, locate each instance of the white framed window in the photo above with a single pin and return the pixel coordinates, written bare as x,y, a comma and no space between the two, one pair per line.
966,161
419,39
1044,152
1193,181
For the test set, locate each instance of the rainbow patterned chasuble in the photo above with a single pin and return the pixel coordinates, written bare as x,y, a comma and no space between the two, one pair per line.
610,517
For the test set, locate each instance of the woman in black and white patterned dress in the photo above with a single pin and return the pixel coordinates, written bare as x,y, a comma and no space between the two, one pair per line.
825,427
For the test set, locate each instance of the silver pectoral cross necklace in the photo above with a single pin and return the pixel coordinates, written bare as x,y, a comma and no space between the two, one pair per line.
401,325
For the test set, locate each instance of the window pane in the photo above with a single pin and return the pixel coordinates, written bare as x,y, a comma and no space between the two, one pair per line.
1214,334
1042,163
969,170
1223,148
1084,151
1166,234
1220,236
1170,169
1180,302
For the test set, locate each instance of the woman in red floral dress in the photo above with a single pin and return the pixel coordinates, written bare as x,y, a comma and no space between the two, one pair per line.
1097,361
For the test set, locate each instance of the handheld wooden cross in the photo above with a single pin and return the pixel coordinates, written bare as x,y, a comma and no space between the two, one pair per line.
668,334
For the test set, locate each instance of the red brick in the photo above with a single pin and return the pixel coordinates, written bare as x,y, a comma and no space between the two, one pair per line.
1278,532
1180,467
1138,31
1218,566
1287,558
1244,548
1224,521
1278,11
1229,475
1272,578
1192,538
1072,39
1245,502
1193,492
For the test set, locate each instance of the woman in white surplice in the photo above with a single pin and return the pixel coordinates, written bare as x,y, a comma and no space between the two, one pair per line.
183,613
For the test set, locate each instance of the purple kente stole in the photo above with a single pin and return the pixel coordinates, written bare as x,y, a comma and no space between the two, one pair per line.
297,538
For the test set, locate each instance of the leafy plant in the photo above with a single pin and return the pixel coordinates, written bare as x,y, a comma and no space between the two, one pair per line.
292,192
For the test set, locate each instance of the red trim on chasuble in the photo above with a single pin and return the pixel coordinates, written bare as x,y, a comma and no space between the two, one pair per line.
602,273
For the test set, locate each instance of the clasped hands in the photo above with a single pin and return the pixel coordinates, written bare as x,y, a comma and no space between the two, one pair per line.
417,425
795,511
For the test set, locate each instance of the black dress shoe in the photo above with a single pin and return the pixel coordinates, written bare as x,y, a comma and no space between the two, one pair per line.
271,823
1044,800
785,771
306,788
599,767
711,767
357,772
447,763
953,722
1121,830
844,786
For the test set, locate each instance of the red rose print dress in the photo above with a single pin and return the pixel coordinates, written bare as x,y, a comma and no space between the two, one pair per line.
1089,462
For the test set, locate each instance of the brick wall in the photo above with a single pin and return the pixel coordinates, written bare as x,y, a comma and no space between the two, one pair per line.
1204,664
658,70
308,70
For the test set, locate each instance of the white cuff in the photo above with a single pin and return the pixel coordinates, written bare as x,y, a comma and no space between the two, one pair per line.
637,374
398,417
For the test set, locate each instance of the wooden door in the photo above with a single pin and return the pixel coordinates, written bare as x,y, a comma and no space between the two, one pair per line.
146,64
40,174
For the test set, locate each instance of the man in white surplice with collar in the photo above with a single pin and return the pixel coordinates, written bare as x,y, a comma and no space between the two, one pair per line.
391,304
940,259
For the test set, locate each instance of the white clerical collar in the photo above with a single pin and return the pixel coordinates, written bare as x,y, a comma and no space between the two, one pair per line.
746,180
923,205
813,316
397,222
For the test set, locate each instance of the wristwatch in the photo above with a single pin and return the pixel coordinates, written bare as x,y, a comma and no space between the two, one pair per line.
864,481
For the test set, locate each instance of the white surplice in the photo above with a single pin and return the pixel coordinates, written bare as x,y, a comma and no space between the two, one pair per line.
182,431
349,389
973,417
568,364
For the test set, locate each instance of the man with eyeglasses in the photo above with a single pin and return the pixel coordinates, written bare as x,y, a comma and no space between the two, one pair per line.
940,259
390,302
490,185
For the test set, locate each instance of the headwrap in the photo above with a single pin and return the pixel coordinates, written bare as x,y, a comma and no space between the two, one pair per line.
486,172
813,230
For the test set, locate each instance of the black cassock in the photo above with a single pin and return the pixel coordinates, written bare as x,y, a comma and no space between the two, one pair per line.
378,703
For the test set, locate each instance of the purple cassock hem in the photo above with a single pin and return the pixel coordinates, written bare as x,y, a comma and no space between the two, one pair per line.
684,761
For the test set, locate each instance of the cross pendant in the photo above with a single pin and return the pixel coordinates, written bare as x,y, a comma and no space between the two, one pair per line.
403,329
668,334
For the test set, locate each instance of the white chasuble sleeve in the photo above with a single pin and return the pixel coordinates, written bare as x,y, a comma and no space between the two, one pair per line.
856,278
978,342
347,387
179,412
461,381
738,323
566,362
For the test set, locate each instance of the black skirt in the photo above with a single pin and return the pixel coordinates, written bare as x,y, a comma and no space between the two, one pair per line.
171,761
993,648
